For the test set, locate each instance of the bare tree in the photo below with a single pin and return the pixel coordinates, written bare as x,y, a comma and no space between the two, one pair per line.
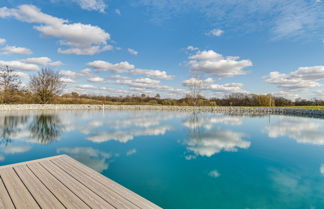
9,83
46,85
196,86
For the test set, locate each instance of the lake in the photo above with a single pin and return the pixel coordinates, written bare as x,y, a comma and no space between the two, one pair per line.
181,159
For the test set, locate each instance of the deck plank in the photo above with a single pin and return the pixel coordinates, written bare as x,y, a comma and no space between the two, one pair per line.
61,182
5,200
106,193
79,189
42,195
65,196
17,190
132,196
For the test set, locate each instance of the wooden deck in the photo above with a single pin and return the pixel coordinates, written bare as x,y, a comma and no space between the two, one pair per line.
62,182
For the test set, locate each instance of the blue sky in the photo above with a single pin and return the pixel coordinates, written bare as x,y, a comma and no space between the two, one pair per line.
114,47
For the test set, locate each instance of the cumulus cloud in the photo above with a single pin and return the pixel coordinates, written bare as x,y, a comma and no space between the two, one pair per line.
15,50
96,79
67,80
145,84
3,41
72,74
132,51
212,142
153,74
215,32
208,84
124,136
212,63
87,86
103,66
44,61
203,121
77,38
20,65
93,158
302,79
16,149
31,64
299,129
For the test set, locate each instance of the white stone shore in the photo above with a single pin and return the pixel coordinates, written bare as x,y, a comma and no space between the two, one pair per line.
241,110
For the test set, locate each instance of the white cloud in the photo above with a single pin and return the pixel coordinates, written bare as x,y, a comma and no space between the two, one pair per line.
87,86
96,79
299,129
212,63
322,169
103,66
214,174
213,142
15,50
201,121
153,74
22,75
302,79
131,152
67,80
215,32
192,48
208,84
45,61
93,158
19,65
124,136
77,38
132,51
71,74
2,41
96,5
16,149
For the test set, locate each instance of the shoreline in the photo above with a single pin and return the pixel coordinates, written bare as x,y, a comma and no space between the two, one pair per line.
221,109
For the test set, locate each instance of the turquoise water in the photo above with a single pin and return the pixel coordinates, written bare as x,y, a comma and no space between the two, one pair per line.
182,160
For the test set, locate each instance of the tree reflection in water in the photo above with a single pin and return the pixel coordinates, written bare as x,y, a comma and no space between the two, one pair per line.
10,125
46,128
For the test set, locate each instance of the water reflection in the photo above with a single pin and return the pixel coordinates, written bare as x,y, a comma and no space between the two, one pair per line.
41,128
9,125
206,139
302,130
93,158
294,188
45,128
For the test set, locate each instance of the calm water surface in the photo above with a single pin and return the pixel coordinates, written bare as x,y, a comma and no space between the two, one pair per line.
182,160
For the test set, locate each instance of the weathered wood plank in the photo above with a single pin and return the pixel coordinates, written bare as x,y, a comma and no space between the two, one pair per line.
17,190
62,193
135,198
61,182
106,193
79,189
5,200
42,195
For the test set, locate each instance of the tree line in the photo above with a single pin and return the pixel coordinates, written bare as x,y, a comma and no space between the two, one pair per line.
46,87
